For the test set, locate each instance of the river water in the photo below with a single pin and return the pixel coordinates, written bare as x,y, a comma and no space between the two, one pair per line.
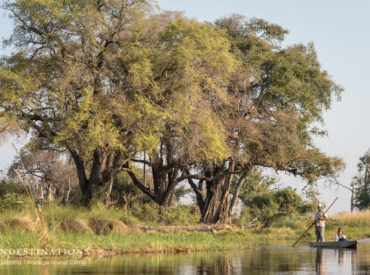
260,258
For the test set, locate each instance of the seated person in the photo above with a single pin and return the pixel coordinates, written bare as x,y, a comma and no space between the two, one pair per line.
340,236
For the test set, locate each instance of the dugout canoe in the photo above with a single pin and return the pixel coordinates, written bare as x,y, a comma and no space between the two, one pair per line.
340,244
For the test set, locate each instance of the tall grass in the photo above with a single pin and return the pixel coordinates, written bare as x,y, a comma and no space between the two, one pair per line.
19,239
44,238
356,226
355,219
155,241
27,184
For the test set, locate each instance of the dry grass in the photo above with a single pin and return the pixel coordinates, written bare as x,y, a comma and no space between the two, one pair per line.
107,226
25,224
22,224
2,225
355,219
71,226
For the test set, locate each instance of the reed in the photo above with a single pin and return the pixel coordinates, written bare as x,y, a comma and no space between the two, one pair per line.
26,182
355,219
102,228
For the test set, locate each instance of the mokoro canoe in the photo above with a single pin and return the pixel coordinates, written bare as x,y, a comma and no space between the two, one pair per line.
340,244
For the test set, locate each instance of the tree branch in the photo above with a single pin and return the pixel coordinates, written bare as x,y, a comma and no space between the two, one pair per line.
138,184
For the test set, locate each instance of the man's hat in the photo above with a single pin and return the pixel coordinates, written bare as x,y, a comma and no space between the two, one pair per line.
320,205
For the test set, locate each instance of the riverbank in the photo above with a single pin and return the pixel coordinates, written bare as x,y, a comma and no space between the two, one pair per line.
114,243
106,232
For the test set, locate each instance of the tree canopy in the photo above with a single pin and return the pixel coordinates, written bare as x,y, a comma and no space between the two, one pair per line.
111,82
361,183
105,80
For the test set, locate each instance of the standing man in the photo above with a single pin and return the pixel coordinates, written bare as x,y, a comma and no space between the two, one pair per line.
319,222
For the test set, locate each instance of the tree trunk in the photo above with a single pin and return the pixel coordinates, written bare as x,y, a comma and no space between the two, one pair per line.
198,193
167,199
208,214
160,184
139,185
66,198
165,182
236,194
108,191
82,178
222,215
98,166
104,168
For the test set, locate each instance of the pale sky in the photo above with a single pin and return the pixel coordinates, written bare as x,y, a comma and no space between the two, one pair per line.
340,32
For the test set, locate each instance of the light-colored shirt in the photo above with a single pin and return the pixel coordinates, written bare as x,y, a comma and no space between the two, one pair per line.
320,222
337,238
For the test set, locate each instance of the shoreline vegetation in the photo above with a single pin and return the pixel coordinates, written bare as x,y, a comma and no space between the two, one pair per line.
129,109
108,232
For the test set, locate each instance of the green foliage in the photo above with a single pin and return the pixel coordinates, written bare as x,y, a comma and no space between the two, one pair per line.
287,199
361,183
148,212
12,238
178,215
356,226
105,81
124,192
264,205
111,80
307,207
12,196
362,200
13,201
54,213
152,214
8,187
276,94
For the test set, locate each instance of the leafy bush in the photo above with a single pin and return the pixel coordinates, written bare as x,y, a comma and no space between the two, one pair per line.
151,213
264,205
13,201
10,187
178,215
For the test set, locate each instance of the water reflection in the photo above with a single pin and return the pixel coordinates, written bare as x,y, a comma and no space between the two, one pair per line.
340,254
320,261
266,259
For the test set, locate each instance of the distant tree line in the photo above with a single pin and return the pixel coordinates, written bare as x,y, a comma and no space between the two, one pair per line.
121,87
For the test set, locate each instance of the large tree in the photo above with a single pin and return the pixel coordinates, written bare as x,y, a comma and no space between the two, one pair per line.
193,71
192,67
78,65
106,80
274,97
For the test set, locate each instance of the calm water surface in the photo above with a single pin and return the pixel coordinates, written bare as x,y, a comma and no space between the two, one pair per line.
261,258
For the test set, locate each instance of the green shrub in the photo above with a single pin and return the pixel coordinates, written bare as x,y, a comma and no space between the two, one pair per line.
13,201
292,222
178,215
53,213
